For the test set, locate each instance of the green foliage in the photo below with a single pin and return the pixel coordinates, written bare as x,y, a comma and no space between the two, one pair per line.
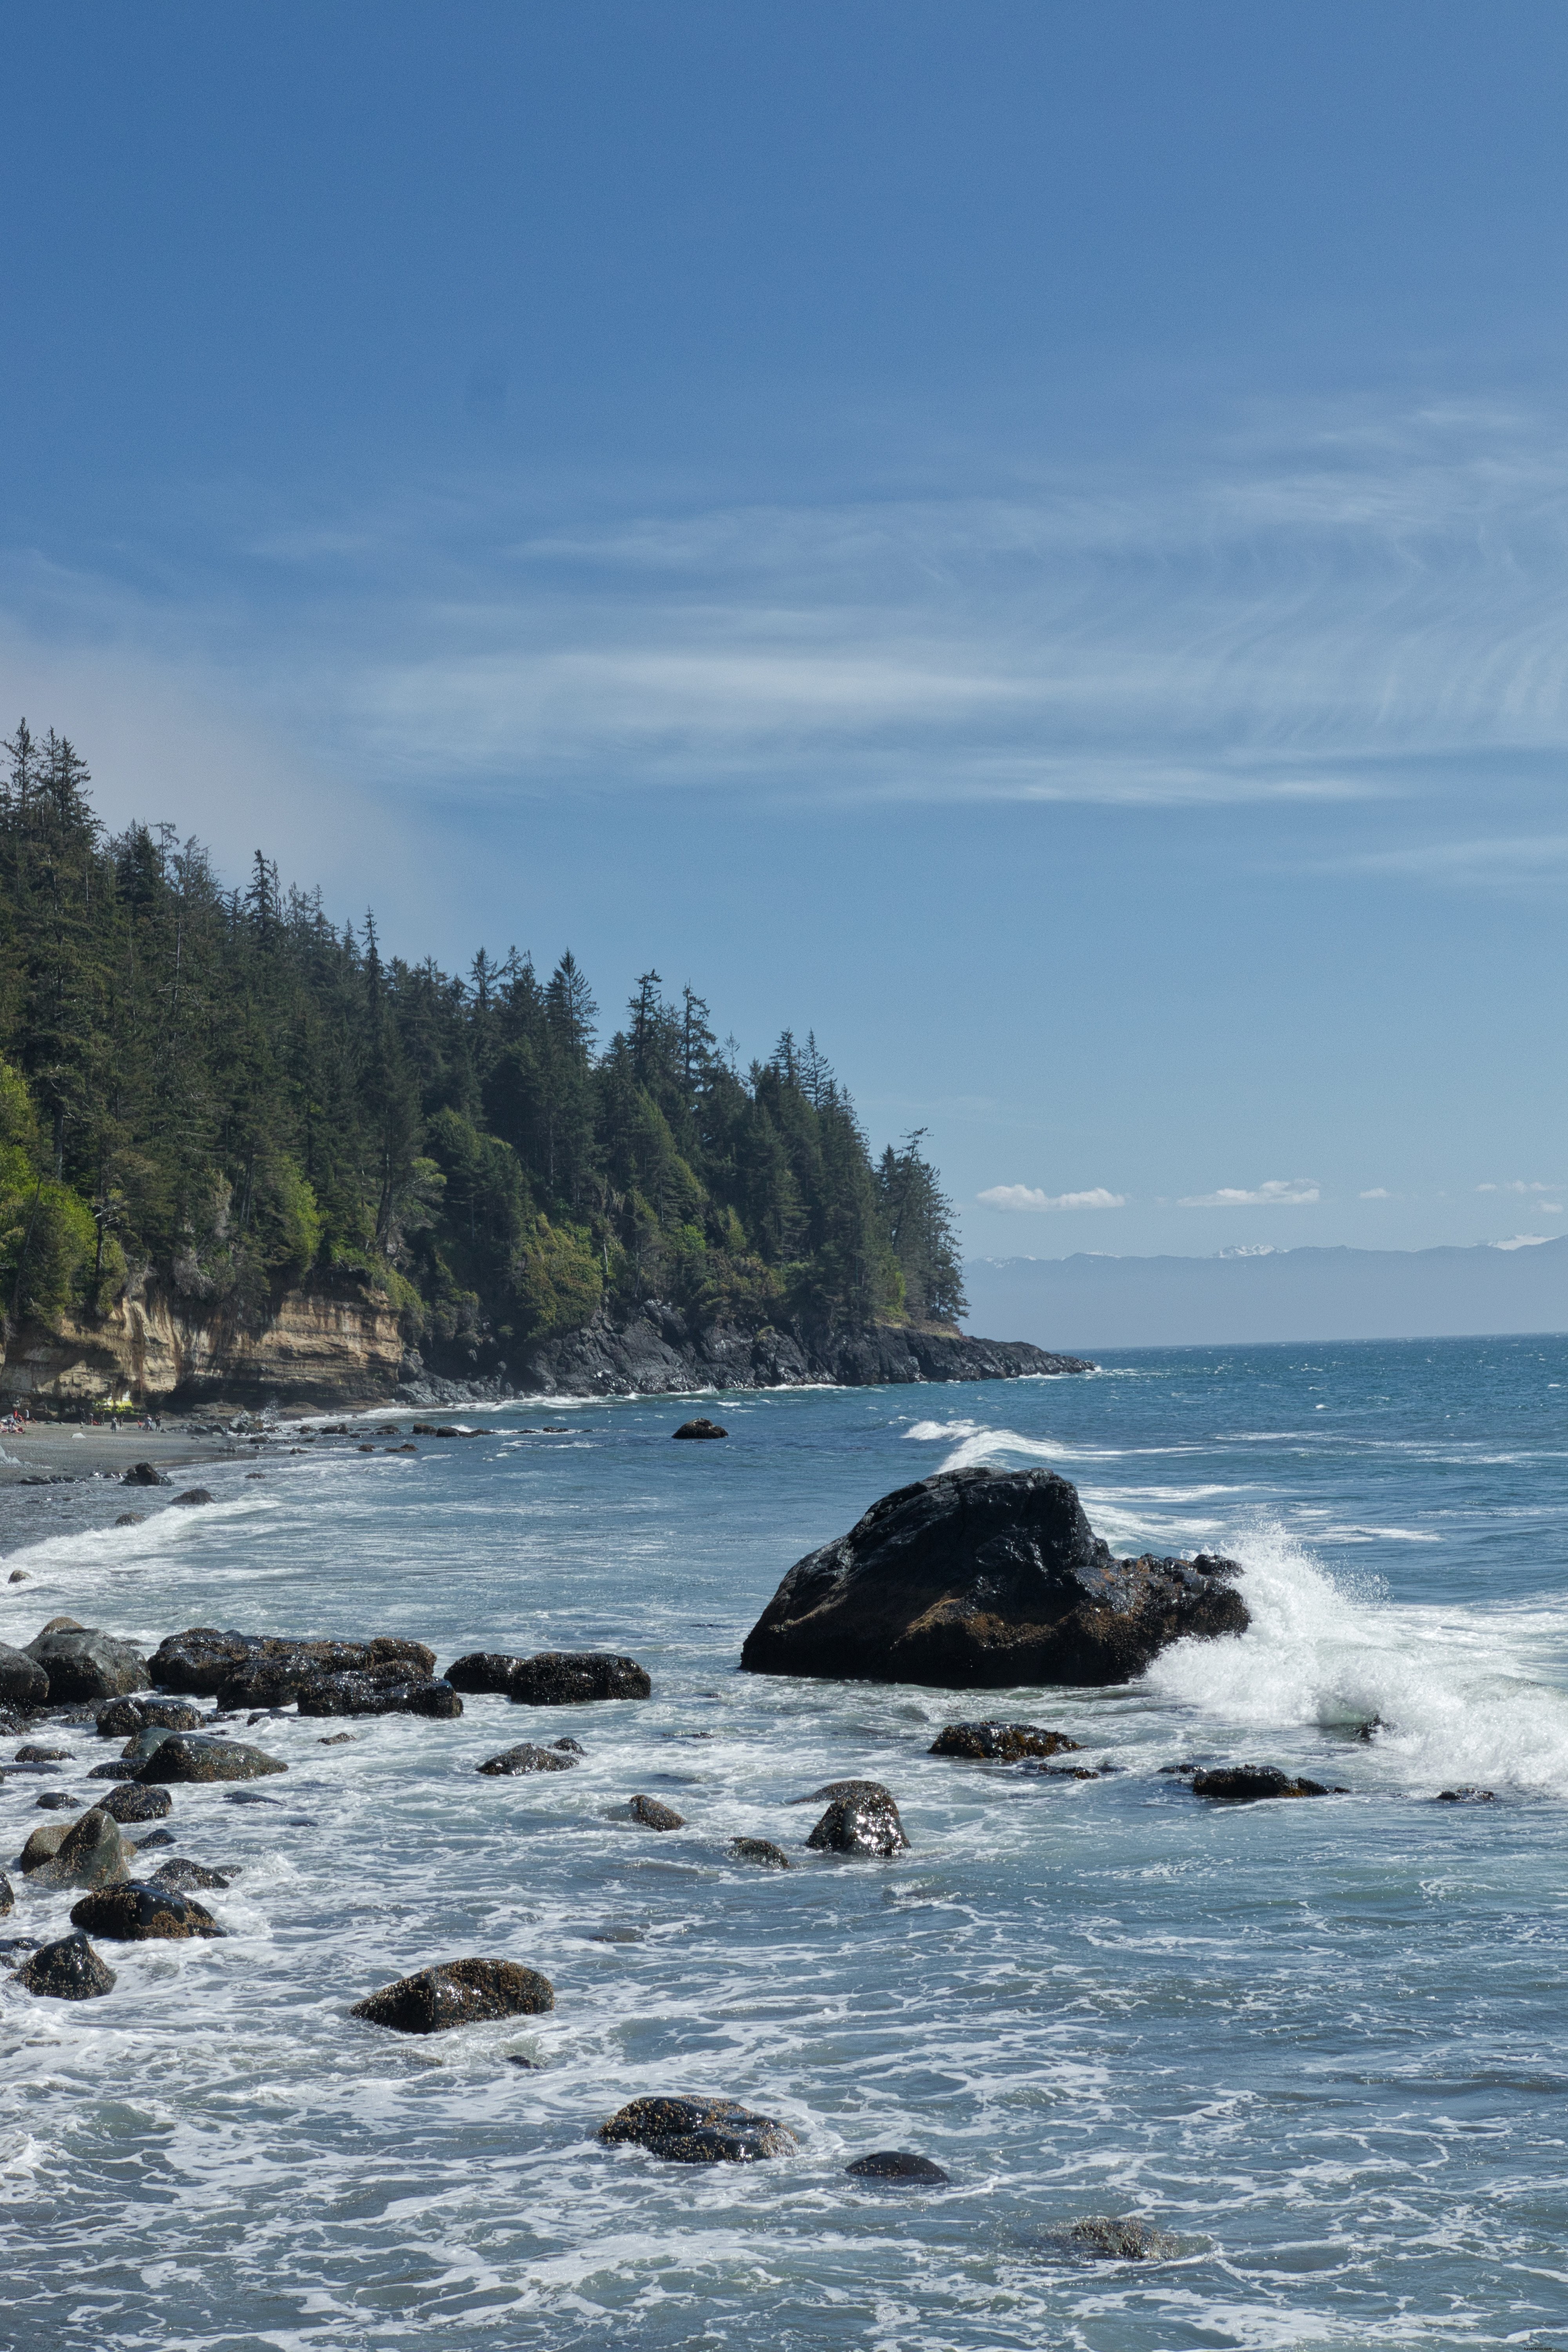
224,1089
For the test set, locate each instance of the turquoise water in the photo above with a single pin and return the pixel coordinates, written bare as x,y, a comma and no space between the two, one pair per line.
1324,2044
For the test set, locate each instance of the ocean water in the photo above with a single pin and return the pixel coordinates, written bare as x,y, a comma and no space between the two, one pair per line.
1323,2045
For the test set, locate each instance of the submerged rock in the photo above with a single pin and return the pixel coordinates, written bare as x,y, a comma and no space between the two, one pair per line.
123,1718
527,1758
699,2131
88,1851
456,1992
389,1690
7,1895
139,1913
131,1518
981,1579
701,1427
68,1970
134,1802
187,1756
895,2164
1122,2242
1244,1784
655,1816
760,1851
153,1837
180,1875
861,1820
1466,1795
31,1754
22,1681
1002,1743
191,1494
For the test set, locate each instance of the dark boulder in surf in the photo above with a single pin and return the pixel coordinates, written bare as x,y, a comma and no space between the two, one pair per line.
700,1428
22,1681
185,1756
123,1718
83,1663
1466,1795
983,1579
861,1820
67,1970
131,1802
139,1912
388,1690
651,1815
245,1670
526,1757
699,2131
1001,1743
1246,1784
576,1679
760,1851
1116,2241
183,1875
896,2164
456,1992
142,1474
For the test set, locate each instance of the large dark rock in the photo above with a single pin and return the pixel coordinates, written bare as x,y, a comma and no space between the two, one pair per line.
572,1677
139,1913
22,1681
123,1718
981,1579
247,1670
861,1820
701,1427
185,1756
699,2131
183,1875
1002,1743
483,1670
83,1663
68,1970
1244,1784
88,1851
895,2164
527,1758
133,1802
762,1851
651,1815
191,1495
457,1992
389,1690
142,1474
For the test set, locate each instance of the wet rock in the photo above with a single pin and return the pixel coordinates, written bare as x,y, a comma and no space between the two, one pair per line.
133,1802
117,1768
123,1718
570,1747
483,1670
1466,1795
389,1691
22,1681
895,2164
456,1992
83,1663
574,1677
187,1756
762,1851
181,1875
54,1800
983,1579
652,1815
863,1821
526,1757
699,2131
142,1474
700,1428
7,1895
153,1837
197,1661
32,1755
68,1970
336,1739
141,1913
191,1495
1122,2241
88,1851
131,1518
277,1671
1244,1784
1002,1743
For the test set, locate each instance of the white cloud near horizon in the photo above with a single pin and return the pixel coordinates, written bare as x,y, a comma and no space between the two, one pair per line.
1024,1197
1277,1193
1378,1193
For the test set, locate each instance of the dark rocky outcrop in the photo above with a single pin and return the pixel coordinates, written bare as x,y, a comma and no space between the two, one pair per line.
575,1677
245,1670
981,1579
1102,2234
123,1718
456,1992
83,1663
117,1768
191,1495
133,1802
1466,1795
861,1820
181,1875
22,1681
700,1427
1246,1784
1002,1743
143,1474
484,1671
142,1912
68,1970
527,1758
762,1851
699,2131
895,2164
131,1518
185,1756
88,1851
386,1690
652,1815
32,1754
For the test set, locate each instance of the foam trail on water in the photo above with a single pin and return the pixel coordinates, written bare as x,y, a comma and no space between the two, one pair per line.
1459,1696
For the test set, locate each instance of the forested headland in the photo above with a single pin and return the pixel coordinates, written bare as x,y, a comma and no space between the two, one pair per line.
223,1089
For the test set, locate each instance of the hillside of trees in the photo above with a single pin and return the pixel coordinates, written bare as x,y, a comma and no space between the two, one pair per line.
223,1091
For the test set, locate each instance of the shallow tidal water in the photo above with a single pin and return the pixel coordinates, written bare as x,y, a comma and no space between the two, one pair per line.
1324,2044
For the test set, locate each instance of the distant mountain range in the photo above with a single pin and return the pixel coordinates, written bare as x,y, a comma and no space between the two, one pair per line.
1084,1302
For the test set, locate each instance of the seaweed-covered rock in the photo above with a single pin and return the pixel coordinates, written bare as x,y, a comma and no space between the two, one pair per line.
1244,1784
700,1427
895,2164
1115,2241
182,1874
699,2131
652,1815
574,1677
123,1718
83,1663
134,1802
116,1769
388,1690
861,1820
527,1758
67,1970
141,1913
22,1681
760,1851
456,1992
1002,1743
187,1756
981,1579
89,1853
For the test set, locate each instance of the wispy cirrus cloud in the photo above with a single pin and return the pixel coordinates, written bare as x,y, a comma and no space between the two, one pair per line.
1025,1197
1277,1193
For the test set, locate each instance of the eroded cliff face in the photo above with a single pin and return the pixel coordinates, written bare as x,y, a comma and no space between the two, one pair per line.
336,1345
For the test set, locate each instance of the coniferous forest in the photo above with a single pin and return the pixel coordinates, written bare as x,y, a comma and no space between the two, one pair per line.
225,1091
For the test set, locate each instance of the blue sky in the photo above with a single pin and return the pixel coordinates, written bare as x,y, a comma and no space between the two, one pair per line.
1028,540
